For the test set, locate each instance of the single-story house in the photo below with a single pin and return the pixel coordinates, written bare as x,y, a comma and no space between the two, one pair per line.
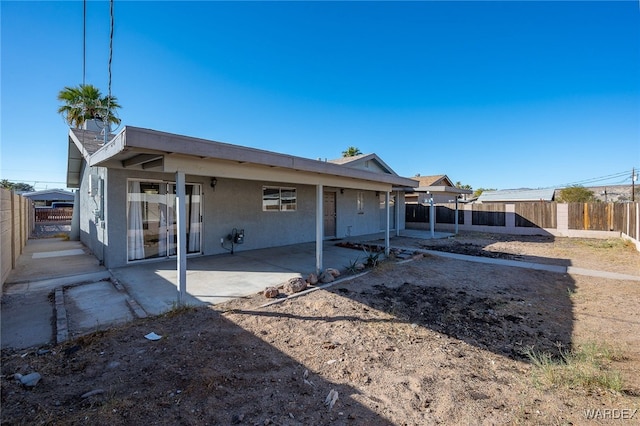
47,197
147,194
438,187
516,195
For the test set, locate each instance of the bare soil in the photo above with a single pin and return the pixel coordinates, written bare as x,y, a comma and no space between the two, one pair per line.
428,341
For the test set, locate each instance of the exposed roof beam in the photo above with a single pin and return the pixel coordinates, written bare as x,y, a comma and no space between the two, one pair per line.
141,159
152,164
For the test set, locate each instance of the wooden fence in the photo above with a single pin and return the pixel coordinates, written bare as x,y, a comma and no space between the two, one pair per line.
536,215
445,213
616,217
620,217
15,226
482,214
49,214
489,214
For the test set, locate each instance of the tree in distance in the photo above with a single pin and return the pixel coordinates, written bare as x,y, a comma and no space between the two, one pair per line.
575,194
13,186
461,186
352,151
479,191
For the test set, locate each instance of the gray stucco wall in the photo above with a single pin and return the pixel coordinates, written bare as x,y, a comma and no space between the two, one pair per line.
233,204
350,222
238,204
93,230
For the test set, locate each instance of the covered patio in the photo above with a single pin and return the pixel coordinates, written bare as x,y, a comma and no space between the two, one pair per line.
149,195
219,278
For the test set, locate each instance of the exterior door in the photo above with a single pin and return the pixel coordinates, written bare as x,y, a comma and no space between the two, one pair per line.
392,212
329,207
151,219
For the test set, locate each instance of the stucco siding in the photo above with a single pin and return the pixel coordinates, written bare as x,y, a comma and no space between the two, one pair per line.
93,230
351,222
234,203
238,204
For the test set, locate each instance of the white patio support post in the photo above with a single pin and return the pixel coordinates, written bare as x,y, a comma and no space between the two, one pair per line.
387,196
181,218
456,218
397,209
432,218
319,226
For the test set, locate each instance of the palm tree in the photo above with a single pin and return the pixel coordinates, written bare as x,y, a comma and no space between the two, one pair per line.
85,102
352,151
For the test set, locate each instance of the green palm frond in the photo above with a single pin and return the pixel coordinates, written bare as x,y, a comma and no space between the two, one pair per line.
85,102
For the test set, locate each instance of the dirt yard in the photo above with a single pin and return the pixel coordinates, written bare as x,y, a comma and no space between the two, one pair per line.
426,341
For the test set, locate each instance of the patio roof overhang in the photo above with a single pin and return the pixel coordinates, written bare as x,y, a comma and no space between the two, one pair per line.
145,149
441,189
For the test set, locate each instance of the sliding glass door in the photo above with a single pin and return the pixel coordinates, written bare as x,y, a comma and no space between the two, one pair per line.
151,219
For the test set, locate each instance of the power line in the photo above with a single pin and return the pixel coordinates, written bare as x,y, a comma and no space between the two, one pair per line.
34,181
110,52
625,174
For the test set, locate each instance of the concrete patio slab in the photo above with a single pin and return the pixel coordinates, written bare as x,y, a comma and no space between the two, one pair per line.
91,301
216,279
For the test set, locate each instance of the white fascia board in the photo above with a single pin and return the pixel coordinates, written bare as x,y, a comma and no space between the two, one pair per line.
197,150
111,148
250,171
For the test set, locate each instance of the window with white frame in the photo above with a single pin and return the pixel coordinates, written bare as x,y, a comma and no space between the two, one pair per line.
360,202
279,199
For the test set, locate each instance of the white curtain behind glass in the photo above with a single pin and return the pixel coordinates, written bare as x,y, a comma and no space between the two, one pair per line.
194,221
135,234
171,217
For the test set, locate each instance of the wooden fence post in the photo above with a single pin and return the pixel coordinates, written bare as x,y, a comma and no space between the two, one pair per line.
585,216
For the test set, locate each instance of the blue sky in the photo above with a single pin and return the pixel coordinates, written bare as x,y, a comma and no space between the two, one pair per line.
493,94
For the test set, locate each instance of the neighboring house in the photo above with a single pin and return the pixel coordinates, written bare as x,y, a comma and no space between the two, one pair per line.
47,197
438,187
129,187
516,195
373,163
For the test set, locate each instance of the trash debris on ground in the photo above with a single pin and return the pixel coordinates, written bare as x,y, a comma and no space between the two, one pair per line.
152,336
331,399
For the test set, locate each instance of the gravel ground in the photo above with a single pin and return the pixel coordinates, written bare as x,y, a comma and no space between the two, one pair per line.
429,341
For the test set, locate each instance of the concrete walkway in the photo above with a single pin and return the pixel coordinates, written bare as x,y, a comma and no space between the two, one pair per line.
58,290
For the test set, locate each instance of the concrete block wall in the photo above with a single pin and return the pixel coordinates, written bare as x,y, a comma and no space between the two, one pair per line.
16,224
